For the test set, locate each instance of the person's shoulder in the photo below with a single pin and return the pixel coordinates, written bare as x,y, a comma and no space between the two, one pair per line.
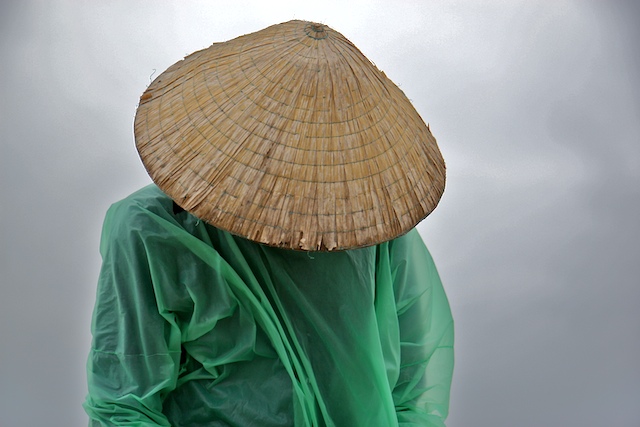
136,212
410,247
407,242
149,198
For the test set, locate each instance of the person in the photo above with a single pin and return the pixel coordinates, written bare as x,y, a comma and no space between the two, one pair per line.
272,275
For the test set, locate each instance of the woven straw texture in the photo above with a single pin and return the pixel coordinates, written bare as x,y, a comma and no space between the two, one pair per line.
290,137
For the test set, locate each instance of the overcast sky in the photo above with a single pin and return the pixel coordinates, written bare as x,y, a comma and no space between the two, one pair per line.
536,108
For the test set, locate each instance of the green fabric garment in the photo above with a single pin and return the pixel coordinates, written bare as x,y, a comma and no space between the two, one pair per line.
196,327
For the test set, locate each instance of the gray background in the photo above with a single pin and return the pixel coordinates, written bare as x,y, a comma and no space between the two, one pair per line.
536,107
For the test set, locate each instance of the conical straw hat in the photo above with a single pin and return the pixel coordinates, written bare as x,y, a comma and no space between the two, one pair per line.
290,137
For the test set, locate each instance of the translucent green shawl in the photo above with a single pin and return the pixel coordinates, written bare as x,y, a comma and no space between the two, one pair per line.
196,327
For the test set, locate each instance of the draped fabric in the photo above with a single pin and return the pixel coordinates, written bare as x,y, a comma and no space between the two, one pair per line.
193,326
